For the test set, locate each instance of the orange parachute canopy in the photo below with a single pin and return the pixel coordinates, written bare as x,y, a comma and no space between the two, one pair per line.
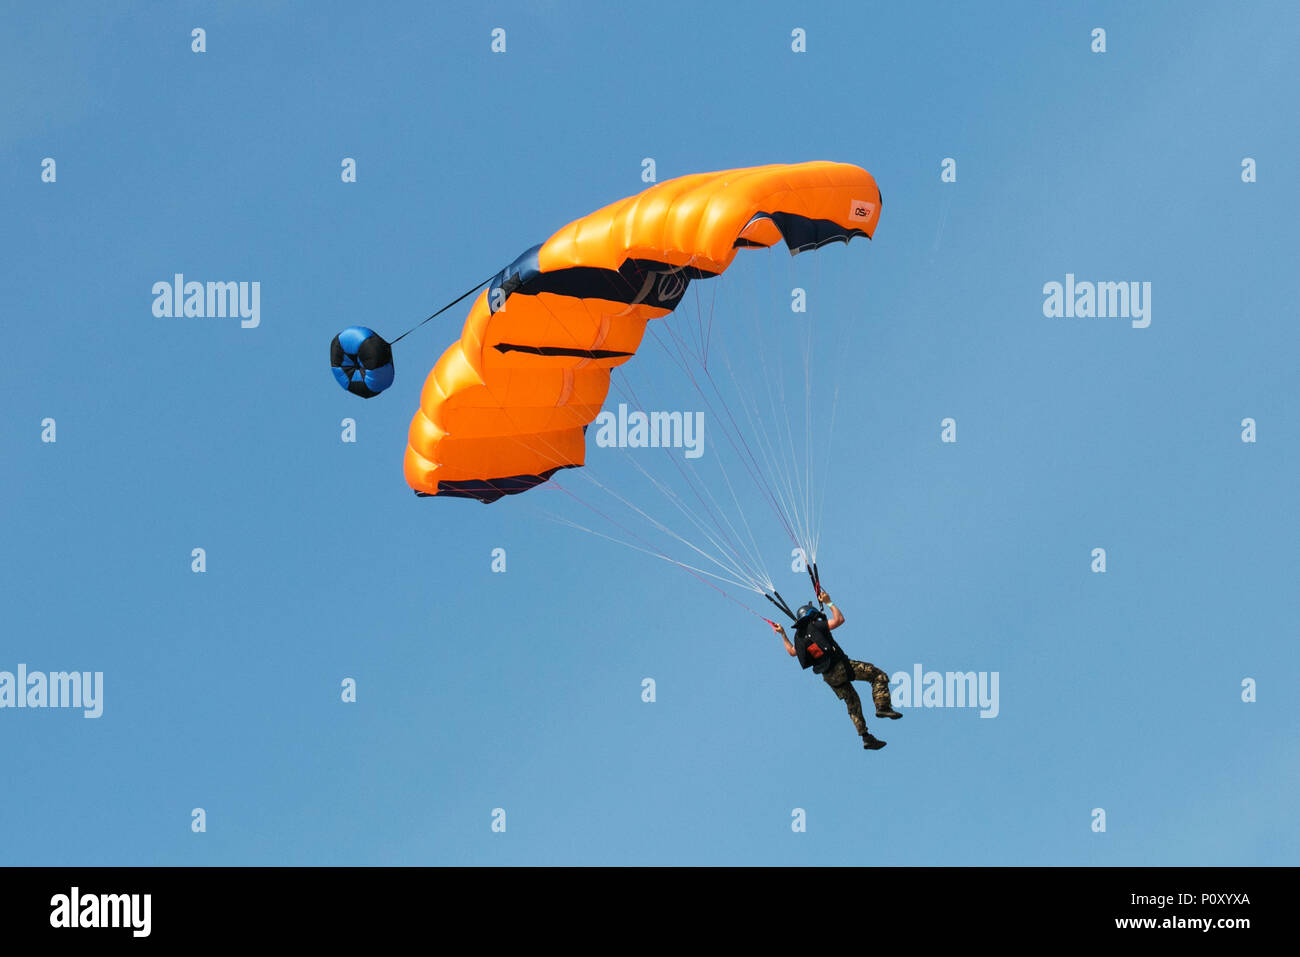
507,405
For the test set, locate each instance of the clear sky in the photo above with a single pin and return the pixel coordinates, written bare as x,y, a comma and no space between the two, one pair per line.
522,690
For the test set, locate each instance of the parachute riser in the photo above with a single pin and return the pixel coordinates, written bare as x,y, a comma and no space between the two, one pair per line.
816,583
780,603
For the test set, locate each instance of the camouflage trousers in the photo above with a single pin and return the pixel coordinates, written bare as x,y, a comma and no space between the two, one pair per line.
841,676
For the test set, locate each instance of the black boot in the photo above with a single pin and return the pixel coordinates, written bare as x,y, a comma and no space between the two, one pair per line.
872,743
887,712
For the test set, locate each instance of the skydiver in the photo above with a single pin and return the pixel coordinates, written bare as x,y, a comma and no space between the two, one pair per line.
816,649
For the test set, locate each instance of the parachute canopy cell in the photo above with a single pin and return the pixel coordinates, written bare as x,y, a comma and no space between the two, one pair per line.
507,405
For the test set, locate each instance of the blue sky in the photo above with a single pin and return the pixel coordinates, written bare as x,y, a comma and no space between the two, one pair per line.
522,690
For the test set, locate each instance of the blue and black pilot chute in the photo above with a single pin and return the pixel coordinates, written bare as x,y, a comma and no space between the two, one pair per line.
362,361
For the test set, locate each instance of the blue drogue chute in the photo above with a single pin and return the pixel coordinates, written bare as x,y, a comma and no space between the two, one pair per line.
362,361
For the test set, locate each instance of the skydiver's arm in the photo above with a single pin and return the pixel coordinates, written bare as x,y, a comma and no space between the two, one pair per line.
781,631
836,619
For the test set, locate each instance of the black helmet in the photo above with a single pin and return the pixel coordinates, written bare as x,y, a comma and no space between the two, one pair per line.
806,611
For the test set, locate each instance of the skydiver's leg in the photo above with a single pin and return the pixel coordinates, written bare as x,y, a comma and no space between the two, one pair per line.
841,683
865,671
